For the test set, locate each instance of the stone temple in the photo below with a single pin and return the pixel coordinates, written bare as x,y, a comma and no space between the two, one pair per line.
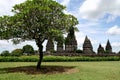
87,47
100,49
70,45
71,42
50,45
108,47
60,46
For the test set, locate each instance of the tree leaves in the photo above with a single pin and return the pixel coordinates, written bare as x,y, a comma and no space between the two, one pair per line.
36,19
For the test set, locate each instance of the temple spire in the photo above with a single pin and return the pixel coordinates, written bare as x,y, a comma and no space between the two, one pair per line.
70,41
108,47
87,46
86,38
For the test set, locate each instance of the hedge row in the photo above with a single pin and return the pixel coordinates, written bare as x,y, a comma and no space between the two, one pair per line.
56,59
80,58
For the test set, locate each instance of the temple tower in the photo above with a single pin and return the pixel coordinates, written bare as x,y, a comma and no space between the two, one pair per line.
87,47
60,46
71,42
108,47
50,45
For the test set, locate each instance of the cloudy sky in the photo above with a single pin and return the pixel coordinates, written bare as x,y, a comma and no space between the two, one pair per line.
98,19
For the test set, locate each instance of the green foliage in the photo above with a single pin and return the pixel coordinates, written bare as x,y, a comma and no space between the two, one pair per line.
17,52
5,53
19,59
36,20
79,51
107,52
28,49
56,59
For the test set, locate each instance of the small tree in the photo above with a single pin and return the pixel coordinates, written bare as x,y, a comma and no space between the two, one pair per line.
28,49
36,20
5,53
17,52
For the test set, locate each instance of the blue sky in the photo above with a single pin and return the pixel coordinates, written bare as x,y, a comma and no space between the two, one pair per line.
98,19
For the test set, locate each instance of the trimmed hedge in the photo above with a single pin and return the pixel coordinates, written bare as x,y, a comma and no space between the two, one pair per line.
56,59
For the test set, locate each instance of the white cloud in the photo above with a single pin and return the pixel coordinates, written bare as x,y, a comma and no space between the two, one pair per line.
88,24
96,9
8,45
116,44
80,36
115,30
6,6
111,18
88,7
65,2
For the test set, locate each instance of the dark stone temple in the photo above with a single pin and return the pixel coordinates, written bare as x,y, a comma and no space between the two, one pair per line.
70,45
87,47
71,42
60,46
108,47
50,45
100,49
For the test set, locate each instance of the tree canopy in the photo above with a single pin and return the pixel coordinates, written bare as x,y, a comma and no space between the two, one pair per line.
28,49
36,20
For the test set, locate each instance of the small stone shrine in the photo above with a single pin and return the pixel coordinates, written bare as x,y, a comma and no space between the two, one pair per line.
100,49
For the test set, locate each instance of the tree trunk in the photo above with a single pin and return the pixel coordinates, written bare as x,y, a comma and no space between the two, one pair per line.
40,56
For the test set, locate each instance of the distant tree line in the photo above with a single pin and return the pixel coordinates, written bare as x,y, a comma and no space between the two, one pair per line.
26,50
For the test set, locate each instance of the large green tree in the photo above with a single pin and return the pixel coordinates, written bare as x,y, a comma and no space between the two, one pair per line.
36,20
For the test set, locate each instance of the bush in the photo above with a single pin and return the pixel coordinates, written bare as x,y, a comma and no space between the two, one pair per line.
28,49
17,52
56,59
5,53
79,51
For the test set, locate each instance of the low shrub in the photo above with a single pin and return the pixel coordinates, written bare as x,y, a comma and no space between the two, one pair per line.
56,59
79,51
17,52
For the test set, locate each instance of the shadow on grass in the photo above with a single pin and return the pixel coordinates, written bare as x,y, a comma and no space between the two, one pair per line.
31,70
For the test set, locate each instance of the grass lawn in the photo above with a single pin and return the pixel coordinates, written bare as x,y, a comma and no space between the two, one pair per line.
79,71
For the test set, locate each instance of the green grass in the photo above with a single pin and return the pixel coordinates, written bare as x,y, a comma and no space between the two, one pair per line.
86,71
